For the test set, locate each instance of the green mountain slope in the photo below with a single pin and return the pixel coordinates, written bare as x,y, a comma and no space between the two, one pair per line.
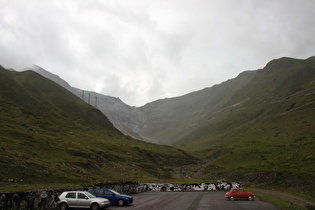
50,138
265,133
169,120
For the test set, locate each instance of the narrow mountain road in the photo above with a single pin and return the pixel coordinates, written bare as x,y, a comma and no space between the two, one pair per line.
192,200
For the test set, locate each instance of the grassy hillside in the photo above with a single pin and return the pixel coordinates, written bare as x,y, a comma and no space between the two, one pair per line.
257,128
50,138
265,133
169,120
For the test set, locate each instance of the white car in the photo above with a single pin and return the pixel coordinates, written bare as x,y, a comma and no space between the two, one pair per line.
81,199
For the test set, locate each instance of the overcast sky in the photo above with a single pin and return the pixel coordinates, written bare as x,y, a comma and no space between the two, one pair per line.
143,50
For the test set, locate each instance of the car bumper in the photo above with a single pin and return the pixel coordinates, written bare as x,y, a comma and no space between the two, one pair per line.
105,204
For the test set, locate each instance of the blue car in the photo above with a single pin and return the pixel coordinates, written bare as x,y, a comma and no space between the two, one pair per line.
114,197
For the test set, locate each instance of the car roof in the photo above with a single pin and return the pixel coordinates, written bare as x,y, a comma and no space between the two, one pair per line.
75,191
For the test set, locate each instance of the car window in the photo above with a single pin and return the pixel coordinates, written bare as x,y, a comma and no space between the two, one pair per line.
71,195
113,191
98,192
234,191
81,196
106,192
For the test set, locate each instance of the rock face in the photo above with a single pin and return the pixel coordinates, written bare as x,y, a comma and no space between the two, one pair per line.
129,120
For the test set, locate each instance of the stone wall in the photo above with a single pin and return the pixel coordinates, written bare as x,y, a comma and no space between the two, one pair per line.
191,186
47,199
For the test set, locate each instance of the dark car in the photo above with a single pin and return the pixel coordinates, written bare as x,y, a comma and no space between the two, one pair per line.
239,193
114,197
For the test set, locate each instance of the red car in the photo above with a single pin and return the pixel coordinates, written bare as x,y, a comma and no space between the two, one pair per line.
239,193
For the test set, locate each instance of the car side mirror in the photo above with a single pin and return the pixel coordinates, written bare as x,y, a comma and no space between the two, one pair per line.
86,198
113,194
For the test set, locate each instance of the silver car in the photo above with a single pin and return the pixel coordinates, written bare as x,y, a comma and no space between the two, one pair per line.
81,199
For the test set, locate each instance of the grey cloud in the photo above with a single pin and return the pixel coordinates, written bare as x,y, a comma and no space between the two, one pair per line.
144,50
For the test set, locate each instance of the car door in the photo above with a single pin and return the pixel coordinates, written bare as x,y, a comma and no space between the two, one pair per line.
83,201
242,193
71,198
110,196
235,193
101,193
98,193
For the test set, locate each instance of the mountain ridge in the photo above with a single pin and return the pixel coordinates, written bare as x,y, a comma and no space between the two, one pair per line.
128,119
154,121
51,138
257,127
119,113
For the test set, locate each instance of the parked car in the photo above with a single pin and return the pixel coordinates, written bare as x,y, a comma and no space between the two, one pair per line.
114,197
239,193
81,199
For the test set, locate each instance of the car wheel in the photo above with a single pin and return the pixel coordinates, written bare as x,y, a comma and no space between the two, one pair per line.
63,206
232,198
250,198
95,206
120,202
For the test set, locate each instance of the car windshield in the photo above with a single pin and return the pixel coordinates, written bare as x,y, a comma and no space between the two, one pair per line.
113,191
90,195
